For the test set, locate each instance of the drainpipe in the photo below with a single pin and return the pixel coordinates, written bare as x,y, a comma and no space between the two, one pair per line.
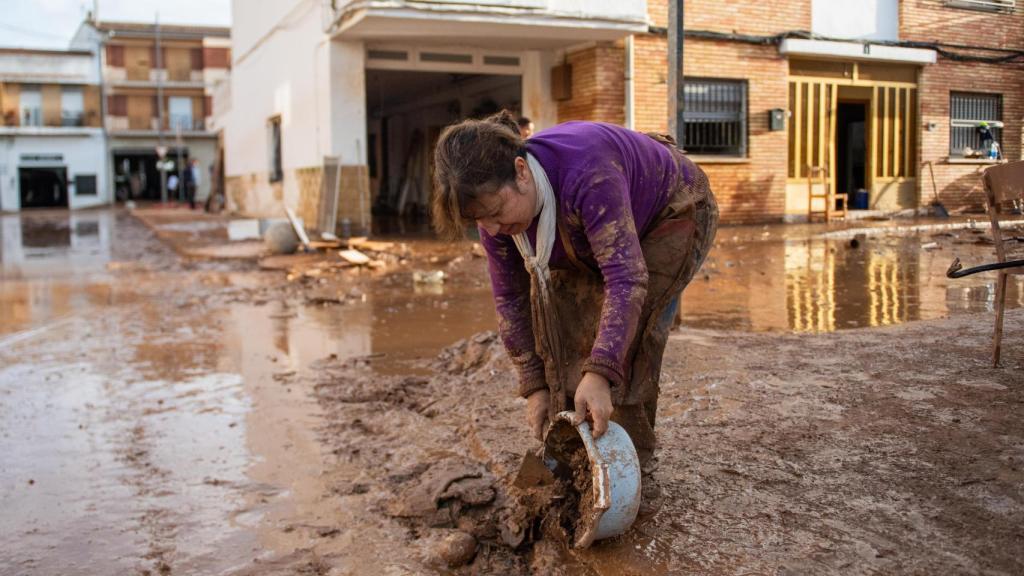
630,85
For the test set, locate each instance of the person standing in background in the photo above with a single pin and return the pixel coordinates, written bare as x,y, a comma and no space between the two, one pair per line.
525,127
192,180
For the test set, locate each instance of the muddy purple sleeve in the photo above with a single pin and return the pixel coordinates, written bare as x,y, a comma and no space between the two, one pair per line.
603,205
510,283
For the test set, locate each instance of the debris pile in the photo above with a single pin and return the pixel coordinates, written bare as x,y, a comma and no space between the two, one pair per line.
469,505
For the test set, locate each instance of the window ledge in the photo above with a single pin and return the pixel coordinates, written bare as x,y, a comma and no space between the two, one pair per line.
973,161
719,159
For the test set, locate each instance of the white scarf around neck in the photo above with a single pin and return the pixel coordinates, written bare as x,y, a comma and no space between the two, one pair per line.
537,262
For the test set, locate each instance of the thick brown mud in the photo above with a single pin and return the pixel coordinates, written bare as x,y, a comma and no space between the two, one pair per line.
162,413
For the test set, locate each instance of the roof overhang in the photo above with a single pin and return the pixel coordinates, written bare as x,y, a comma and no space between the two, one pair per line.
479,25
856,51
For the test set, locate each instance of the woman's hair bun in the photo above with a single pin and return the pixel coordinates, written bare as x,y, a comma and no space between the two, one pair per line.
506,119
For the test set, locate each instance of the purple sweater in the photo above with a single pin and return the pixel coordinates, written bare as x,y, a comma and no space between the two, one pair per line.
610,184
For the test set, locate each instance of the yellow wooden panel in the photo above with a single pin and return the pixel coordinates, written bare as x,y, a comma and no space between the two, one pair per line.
821,161
886,121
798,111
834,112
873,140
897,122
909,154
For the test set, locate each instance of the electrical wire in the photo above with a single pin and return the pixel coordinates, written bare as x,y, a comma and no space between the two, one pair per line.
947,51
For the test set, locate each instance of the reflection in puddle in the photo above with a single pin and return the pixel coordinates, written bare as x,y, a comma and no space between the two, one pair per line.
822,285
73,242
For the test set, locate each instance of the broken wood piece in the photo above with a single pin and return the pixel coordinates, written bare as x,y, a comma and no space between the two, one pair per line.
362,243
300,232
288,261
354,257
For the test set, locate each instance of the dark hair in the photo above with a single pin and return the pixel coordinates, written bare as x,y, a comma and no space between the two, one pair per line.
473,158
523,122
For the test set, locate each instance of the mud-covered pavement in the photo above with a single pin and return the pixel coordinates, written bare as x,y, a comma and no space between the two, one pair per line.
171,415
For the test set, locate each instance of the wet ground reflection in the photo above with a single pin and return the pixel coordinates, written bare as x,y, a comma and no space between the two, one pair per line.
821,285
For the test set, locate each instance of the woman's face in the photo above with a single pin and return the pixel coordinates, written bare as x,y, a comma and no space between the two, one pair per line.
511,209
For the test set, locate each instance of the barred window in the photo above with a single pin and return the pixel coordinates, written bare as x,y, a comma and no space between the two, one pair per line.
970,113
715,113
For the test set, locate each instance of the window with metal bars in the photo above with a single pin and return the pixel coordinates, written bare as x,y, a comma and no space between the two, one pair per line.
971,115
715,113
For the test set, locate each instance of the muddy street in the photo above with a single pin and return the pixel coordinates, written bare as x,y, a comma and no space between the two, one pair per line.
828,408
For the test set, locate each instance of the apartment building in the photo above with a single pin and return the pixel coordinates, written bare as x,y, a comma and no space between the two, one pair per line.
51,139
871,98
158,83
882,94
348,97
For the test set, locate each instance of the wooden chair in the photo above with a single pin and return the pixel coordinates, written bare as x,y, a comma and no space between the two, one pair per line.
1004,186
826,194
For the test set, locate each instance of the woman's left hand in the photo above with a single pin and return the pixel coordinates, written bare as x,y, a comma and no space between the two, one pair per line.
594,396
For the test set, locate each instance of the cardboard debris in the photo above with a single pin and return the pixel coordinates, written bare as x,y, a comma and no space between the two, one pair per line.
354,257
435,277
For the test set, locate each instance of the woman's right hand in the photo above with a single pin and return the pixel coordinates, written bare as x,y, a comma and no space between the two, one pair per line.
537,412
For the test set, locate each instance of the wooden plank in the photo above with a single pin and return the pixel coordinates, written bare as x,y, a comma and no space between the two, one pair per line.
909,157
798,128
809,128
897,160
873,140
885,133
820,133
834,112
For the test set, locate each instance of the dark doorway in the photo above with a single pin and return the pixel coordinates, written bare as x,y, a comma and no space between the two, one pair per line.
43,187
136,176
851,157
406,112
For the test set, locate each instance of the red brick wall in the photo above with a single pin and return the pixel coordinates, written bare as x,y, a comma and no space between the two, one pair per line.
740,16
754,190
959,185
598,85
931,21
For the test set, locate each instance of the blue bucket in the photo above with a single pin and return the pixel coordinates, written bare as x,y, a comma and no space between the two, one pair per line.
616,480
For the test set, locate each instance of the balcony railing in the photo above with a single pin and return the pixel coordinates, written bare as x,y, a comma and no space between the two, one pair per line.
149,74
72,118
148,124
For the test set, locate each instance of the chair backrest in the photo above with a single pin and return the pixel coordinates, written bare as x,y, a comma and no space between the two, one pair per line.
1003,184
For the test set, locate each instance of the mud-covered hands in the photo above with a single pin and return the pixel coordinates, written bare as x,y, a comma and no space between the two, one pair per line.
537,412
594,396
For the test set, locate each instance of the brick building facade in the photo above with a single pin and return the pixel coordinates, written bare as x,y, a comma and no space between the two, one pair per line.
893,87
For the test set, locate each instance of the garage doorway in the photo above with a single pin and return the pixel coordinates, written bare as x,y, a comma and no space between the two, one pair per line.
136,176
406,112
43,186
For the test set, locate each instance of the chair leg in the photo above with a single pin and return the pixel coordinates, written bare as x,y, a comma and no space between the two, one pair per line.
997,337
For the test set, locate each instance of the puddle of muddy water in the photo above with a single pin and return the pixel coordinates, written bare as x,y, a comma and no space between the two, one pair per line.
140,433
819,285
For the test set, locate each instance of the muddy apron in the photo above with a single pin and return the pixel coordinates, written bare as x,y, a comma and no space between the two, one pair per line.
565,328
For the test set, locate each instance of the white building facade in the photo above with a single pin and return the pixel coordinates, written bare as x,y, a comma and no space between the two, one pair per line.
368,86
52,145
